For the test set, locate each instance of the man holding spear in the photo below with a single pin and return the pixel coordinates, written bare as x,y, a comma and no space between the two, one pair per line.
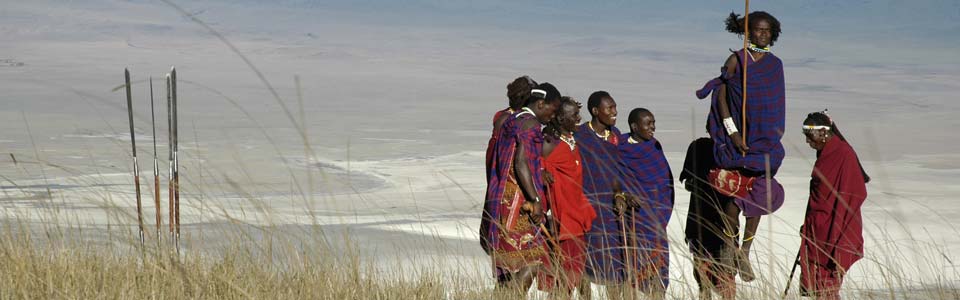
746,129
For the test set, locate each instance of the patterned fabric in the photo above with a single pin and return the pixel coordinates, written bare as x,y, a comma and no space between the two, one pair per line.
765,114
652,172
491,148
603,169
832,232
513,239
493,140
763,199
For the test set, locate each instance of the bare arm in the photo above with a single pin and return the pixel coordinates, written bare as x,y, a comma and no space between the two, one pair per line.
549,143
730,66
524,174
499,121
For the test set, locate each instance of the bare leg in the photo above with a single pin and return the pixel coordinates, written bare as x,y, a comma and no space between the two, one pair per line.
524,278
731,230
743,258
702,276
518,282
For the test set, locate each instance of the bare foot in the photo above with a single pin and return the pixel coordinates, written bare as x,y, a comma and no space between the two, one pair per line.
743,266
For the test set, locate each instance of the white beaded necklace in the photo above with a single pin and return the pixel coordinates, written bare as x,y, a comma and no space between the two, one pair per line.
569,140
604,136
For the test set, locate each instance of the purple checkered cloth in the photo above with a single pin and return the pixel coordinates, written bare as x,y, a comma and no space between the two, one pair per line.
511,134
603,167
765,114
649,166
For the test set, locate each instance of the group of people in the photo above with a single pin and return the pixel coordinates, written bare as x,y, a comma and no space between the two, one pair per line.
570,204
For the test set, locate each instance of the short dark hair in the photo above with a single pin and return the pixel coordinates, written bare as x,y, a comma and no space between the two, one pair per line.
552,95
636,113
734,24
595,99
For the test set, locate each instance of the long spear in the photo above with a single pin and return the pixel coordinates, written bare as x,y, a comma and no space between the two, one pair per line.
746,51
176,160
133,145
170,185
156,165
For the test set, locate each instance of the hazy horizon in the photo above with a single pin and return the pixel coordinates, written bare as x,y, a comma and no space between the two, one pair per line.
398,98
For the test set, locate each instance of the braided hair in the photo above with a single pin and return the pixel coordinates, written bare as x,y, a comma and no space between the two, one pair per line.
821,118
518,91
735,24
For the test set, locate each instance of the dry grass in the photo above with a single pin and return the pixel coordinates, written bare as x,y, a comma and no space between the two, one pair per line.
72,269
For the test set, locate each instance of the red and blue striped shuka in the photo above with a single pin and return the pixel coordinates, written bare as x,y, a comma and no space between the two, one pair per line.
766,109
603,168
514,241
488,159
655,180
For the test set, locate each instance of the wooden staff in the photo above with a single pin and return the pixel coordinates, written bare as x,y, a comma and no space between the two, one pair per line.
796,262
746,51
556,245
633,244
133,145
626,252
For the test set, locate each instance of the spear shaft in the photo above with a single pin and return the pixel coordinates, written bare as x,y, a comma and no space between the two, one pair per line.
170,185
176,159
156,165
133,145
746,51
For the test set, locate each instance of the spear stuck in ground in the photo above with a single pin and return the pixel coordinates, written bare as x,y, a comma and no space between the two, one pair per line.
176,159
156,166
169,158
133,145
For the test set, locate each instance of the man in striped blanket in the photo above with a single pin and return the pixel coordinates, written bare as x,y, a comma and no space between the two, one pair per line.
749,154
644,156
517,246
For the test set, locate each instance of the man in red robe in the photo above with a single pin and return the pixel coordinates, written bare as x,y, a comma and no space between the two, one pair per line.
568,205
832,233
